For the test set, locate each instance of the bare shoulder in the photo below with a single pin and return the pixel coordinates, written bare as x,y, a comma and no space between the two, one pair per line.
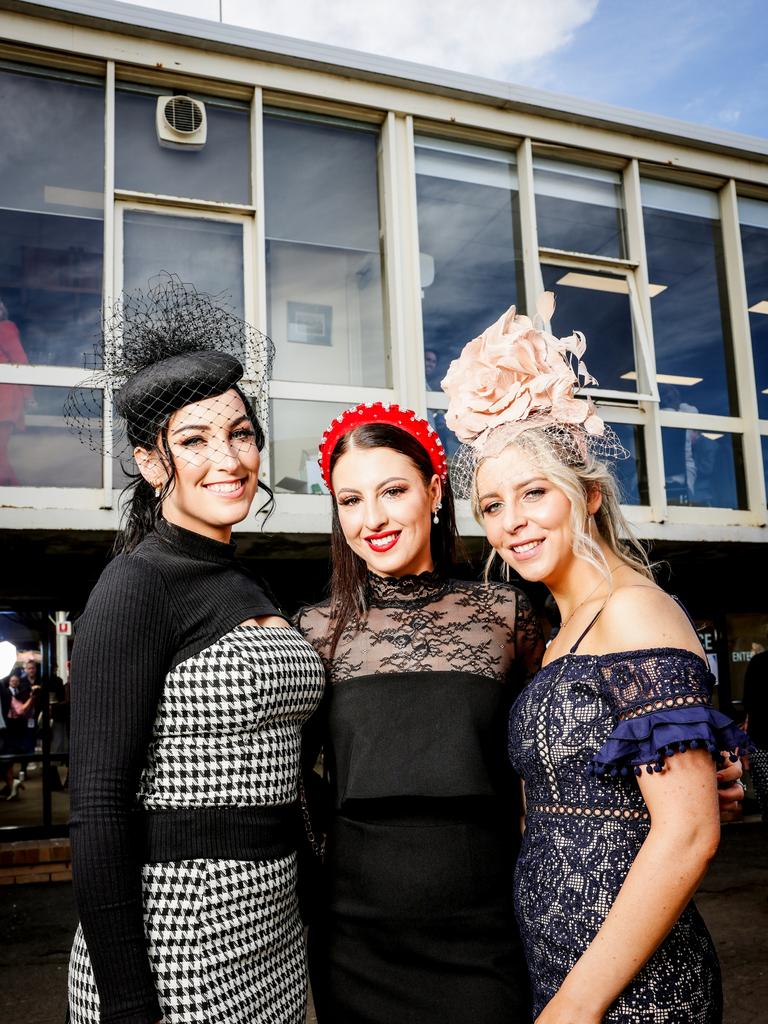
640,616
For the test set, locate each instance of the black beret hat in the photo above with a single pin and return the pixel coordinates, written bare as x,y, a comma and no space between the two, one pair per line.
168,385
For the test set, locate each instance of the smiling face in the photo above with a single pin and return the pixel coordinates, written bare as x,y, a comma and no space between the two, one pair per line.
527,519
385,509
216,462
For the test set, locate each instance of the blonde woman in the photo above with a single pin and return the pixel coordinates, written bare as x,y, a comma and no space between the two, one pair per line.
615,738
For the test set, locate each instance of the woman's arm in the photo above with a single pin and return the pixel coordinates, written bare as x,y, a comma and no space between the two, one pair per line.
683,838
122,650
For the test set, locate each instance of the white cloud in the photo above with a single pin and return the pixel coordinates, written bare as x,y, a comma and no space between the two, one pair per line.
493,38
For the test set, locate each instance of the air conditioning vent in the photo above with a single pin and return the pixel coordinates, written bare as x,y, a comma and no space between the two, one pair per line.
181,122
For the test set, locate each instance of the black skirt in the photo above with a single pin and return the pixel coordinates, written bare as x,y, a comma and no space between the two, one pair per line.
416,924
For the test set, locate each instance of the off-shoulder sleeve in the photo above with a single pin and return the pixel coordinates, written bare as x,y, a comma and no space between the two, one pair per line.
124,643
662,706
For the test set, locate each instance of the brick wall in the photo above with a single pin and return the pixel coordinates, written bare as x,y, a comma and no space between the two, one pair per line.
43,860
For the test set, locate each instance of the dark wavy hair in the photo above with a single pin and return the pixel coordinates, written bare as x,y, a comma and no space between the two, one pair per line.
141,509
348,591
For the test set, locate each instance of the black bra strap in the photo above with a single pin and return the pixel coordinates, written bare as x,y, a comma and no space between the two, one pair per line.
591,624
602,607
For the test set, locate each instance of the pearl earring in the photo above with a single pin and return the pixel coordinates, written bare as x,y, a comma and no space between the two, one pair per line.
435,518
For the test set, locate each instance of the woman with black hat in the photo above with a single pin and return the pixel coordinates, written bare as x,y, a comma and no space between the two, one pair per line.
183,803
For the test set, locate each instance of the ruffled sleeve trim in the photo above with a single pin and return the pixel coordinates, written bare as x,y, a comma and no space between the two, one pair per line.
651,738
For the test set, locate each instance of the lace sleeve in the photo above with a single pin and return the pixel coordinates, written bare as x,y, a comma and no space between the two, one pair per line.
662,707
313,623
529,639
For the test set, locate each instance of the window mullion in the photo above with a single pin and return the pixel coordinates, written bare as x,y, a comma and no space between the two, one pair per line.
108,267
633,206
529,236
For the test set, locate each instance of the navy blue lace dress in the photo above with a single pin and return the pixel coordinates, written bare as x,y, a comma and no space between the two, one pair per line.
579,733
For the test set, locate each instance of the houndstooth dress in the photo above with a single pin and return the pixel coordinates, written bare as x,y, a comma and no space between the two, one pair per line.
224,937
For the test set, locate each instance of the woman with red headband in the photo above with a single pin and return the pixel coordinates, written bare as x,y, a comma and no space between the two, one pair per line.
416,921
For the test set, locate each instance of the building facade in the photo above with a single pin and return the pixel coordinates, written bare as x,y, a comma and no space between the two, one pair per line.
371,216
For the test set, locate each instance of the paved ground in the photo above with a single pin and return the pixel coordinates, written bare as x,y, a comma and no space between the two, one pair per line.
37,923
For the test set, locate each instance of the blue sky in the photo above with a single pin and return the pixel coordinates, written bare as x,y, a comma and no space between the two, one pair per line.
704,61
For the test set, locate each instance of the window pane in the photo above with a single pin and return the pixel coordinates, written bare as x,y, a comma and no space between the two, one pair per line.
703,468
689,300
630,473
598,305
469,241
36,448
324,267
51,211
295,431
206,253
219,171
580,209
754,241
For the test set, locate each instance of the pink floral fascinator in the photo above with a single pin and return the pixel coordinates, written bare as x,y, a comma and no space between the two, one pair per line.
515,376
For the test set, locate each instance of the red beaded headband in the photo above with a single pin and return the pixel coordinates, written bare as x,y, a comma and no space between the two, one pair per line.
377,412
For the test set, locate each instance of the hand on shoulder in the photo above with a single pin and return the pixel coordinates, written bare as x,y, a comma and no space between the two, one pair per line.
640,615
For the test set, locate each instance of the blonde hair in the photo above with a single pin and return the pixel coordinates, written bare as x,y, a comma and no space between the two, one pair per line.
578,480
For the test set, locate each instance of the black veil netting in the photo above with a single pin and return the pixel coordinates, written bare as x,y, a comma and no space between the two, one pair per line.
159,349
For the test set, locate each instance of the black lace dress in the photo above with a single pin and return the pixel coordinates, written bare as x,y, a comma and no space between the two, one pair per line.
416,923
581,731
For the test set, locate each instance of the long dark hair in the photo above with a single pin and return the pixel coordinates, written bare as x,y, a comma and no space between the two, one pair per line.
142,509
349,571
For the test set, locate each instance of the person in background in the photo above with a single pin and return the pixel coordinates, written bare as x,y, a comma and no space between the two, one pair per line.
756,723
12,396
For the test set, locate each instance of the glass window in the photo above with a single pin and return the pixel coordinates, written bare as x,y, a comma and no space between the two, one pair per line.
703,468
324,267
36,447
219,171
51,212
578,208
597,304
469,242
205,252
689,300
630,473
295,430
754,241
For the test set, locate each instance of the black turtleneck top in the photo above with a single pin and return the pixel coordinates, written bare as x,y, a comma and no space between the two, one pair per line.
421,690
175,594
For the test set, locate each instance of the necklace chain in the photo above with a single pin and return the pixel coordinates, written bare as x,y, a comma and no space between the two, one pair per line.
594,590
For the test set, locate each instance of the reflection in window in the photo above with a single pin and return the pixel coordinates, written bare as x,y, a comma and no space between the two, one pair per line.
36,447
689,300
203,252
754,241
27,773
703,468
596,304
324,267
579,208
469,241
51,212
295,431
630,473
219,171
